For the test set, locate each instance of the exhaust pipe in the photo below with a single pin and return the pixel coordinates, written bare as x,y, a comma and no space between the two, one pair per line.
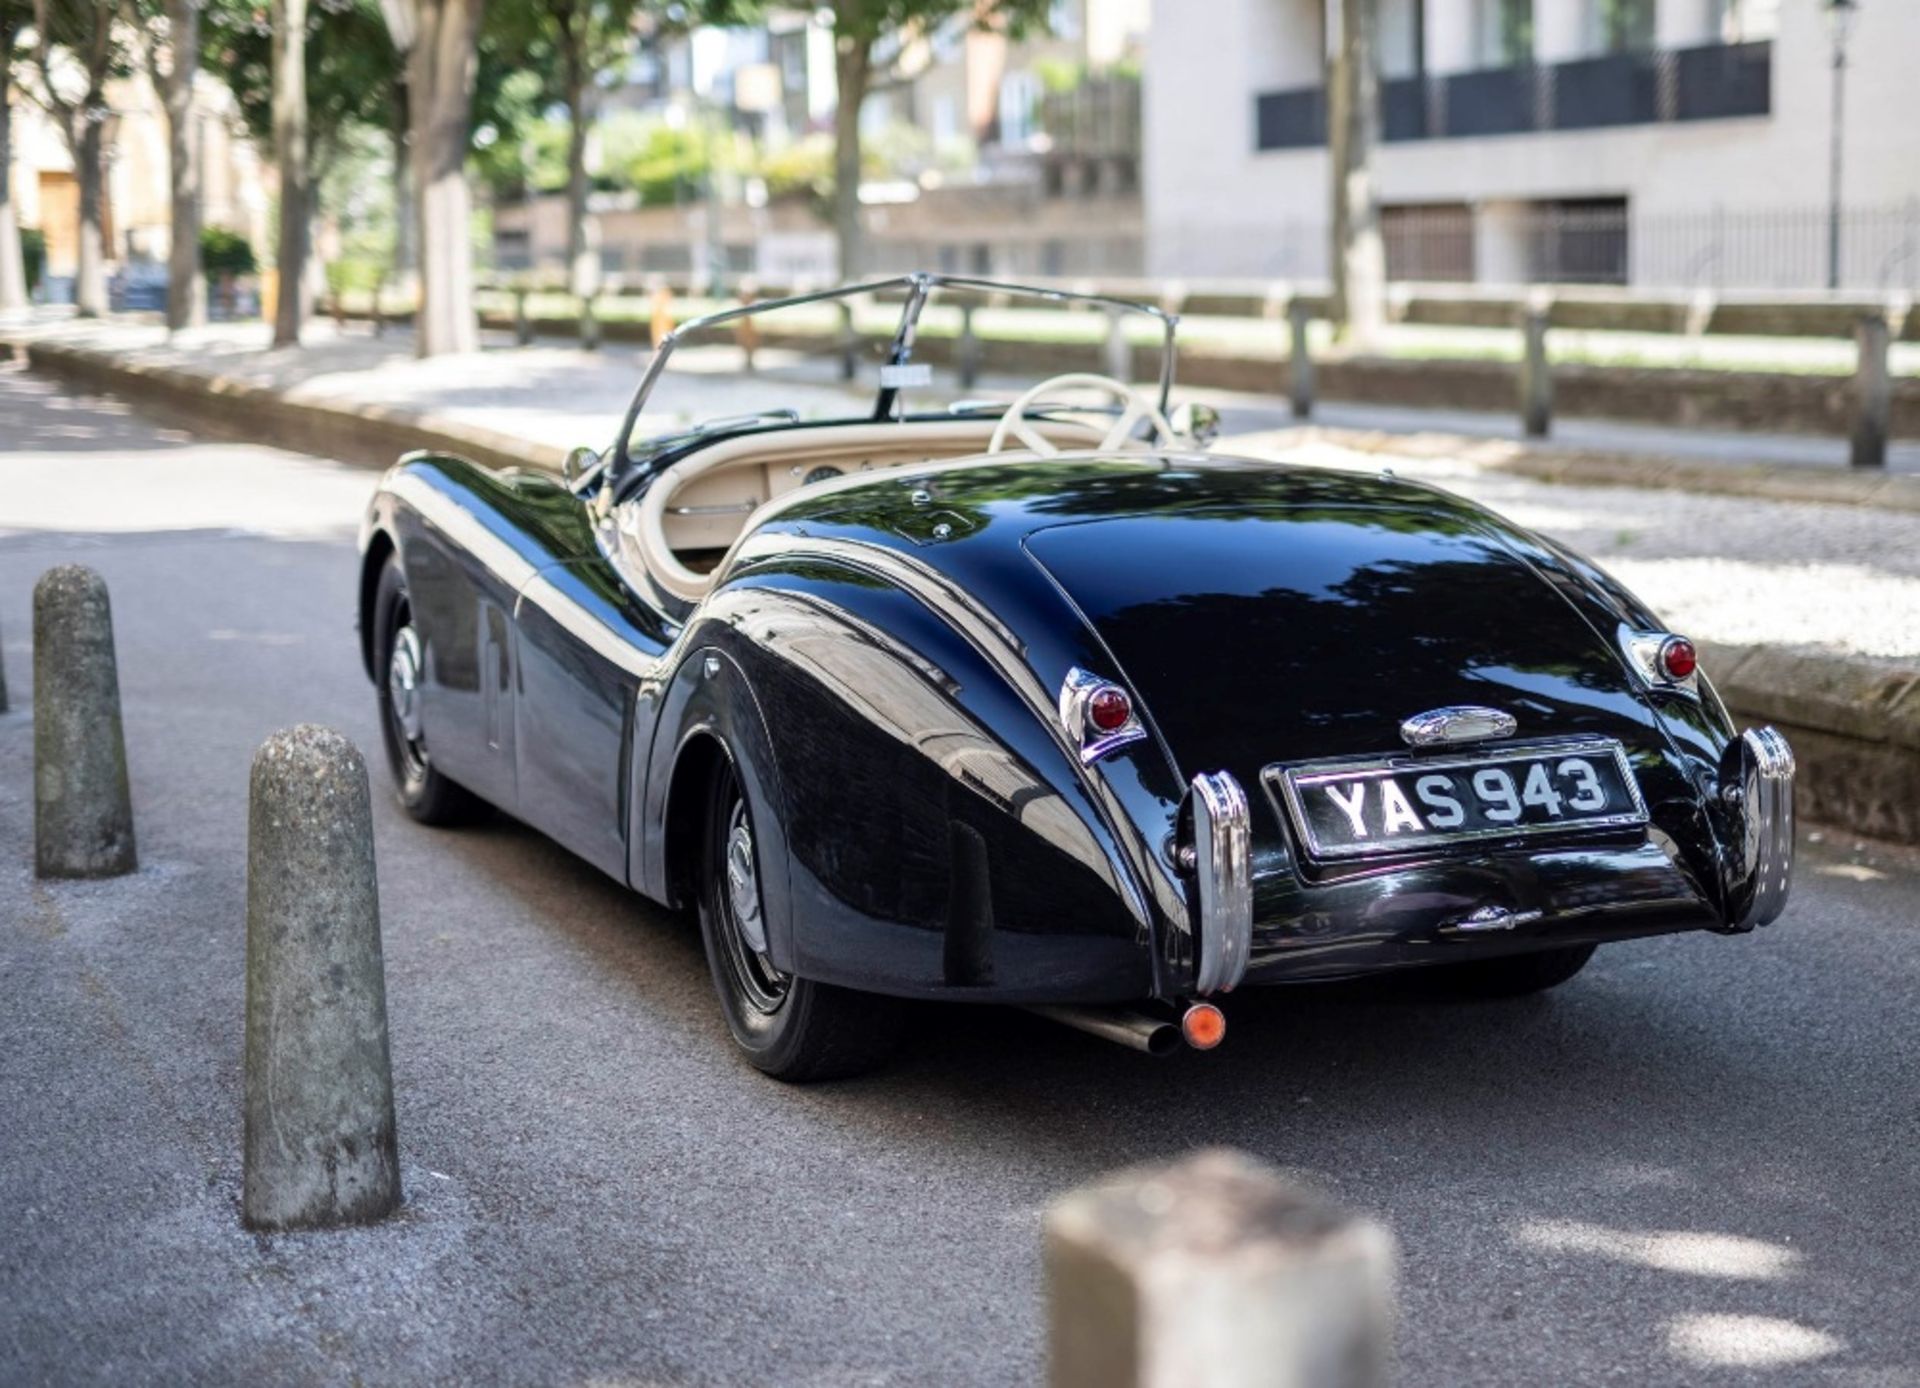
1134,1029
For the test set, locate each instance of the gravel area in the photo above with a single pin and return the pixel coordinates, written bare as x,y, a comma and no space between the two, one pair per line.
1839,580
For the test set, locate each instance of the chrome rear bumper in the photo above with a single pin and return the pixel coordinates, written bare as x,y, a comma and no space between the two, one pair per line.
1756,782
1223,870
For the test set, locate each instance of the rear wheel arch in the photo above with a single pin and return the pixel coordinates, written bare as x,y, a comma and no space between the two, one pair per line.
380,547
688,790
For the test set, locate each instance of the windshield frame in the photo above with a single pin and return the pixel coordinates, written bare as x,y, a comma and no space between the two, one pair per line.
918,288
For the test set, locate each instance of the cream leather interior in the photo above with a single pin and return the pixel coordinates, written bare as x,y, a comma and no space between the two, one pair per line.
707,501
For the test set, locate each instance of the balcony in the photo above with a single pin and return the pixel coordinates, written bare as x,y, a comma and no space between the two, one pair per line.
1715,82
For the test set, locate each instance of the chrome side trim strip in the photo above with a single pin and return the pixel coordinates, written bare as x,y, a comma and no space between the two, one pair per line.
1765,805
1223,868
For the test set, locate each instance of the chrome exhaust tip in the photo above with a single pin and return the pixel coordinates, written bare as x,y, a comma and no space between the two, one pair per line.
1135,1030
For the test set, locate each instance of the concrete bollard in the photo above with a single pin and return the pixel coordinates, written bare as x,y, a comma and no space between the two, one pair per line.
319,1145
849,342
82,809
1872,390
589,325
967,351
1215,1272
1300,358
1117,353
1536,375
522,324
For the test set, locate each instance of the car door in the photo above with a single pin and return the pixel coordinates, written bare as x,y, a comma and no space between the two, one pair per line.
585,643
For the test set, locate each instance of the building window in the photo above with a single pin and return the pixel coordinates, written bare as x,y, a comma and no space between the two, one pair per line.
1626,26
1503,32
1746,21
1019,100
944,122
1063,19
1578,241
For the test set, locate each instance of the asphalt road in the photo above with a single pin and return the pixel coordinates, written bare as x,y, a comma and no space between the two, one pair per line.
1694,1164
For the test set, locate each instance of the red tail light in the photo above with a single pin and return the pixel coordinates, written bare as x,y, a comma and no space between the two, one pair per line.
1109,708
1678,659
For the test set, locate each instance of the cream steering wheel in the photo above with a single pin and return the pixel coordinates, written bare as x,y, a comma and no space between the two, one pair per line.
1135,407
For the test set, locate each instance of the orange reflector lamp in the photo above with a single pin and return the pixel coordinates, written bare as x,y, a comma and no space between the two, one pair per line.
1204,1026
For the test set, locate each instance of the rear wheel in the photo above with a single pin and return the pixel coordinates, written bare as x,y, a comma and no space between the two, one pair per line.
792,1028
1511,976
425,793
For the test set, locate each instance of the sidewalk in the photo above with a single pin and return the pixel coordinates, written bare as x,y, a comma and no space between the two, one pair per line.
554,394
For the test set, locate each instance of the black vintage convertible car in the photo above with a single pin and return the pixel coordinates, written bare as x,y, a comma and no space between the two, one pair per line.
1037,701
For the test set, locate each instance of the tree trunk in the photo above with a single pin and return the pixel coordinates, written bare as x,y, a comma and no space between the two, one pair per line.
290,153
90,282
440,93
1358,254
186,281
583,258
405,252
13,269
853,69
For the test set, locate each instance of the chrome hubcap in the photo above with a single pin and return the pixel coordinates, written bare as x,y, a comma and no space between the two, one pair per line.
743,881
403,681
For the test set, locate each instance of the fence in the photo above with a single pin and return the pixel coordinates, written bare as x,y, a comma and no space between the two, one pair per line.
1598,241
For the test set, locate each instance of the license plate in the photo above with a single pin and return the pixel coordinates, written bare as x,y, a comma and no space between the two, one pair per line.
1396,804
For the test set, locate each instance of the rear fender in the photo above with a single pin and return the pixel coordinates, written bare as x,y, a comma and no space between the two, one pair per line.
940,842
705,703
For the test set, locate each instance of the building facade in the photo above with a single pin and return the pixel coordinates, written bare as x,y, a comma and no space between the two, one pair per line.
138,206
1010,157
1659,143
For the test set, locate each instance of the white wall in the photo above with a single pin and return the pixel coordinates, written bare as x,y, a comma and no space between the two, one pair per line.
1216,207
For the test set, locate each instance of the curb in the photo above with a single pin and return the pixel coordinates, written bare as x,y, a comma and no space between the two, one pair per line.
1854,725
372,435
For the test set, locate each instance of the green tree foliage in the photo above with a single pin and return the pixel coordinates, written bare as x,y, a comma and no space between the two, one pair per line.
858,27
352,70
572,44
224,252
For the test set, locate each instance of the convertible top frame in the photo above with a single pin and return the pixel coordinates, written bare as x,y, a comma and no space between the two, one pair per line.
918,289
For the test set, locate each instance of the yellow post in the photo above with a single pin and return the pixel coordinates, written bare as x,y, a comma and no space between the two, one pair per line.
662,322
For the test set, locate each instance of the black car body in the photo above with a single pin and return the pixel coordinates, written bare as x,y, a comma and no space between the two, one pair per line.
1114,727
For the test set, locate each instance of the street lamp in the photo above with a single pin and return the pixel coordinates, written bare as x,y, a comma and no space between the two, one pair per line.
1840,17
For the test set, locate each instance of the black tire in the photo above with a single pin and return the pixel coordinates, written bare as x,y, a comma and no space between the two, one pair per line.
792,1028
1510,976
424,792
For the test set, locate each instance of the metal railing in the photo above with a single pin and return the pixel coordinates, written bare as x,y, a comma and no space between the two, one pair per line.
1712,82
1099,119
1591,242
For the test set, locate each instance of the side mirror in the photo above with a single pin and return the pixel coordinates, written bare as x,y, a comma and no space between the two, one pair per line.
578,464
1200,423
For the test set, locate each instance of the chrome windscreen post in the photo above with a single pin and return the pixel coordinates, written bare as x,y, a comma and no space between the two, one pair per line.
1223,873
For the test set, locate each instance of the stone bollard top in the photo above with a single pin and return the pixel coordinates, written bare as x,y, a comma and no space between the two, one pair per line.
1215,1206
70,583
316,775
